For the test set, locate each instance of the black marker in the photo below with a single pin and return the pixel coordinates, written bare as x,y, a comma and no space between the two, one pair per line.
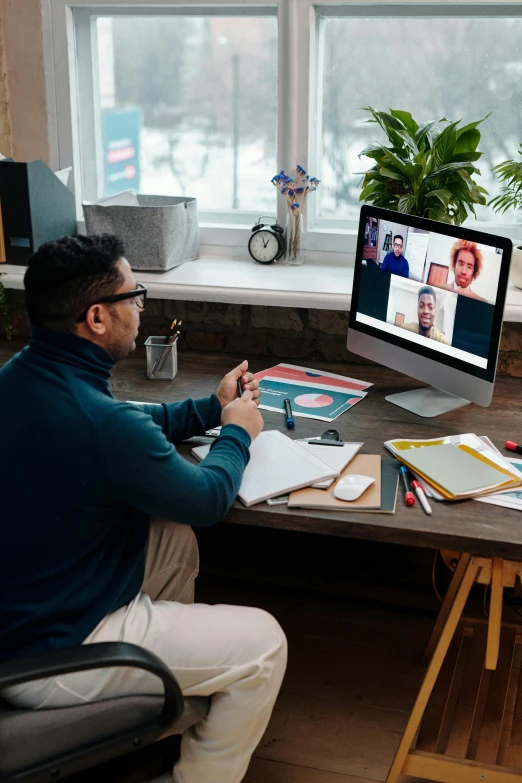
290,423
239,388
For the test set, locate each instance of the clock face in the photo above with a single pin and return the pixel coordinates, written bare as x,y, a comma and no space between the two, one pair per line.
264,246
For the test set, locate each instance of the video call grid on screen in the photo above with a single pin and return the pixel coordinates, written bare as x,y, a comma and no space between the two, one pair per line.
430,289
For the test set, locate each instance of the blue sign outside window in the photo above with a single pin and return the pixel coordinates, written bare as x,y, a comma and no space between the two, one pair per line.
121,149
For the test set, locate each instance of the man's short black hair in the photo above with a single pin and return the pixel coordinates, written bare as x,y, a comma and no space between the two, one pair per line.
398,236
427,289
66,276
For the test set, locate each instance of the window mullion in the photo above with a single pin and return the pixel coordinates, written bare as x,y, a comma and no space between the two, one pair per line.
294,23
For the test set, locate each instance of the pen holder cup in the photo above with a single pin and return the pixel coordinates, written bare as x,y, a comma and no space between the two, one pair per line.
162,360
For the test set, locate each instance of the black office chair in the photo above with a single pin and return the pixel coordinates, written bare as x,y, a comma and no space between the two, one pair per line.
49,744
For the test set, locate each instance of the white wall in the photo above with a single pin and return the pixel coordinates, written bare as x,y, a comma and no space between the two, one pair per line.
404,299
5,137
30,116
439,249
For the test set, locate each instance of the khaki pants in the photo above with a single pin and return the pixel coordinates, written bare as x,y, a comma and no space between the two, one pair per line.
235,654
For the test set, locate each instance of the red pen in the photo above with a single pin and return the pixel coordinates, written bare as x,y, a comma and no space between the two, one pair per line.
409,497
513,446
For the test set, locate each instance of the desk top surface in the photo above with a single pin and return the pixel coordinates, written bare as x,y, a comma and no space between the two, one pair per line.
464,526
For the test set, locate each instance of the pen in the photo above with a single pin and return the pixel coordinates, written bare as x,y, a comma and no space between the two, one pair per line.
513,446
421,495
166,341
290,423
408,494
325,442
239,388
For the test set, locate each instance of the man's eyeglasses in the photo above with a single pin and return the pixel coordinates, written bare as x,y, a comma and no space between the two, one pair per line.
397,244
139,294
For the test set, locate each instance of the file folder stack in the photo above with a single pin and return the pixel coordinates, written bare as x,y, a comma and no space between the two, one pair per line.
456,467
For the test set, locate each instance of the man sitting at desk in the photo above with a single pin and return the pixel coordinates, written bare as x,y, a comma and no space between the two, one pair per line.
427,300
87,554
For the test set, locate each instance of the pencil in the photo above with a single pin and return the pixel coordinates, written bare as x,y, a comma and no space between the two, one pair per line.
169,333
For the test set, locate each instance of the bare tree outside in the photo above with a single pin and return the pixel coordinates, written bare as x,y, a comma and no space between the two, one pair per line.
461,69
207,88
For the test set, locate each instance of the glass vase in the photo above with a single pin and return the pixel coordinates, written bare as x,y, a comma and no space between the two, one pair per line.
294,238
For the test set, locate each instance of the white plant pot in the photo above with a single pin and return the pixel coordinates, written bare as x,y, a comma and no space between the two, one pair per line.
515,271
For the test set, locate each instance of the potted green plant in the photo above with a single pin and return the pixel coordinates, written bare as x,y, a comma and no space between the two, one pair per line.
510,173
423,170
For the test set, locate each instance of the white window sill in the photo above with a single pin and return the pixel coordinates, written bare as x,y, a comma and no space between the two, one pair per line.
214,278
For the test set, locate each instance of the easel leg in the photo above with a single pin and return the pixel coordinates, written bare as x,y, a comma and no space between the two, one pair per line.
495,615
433,669
446,605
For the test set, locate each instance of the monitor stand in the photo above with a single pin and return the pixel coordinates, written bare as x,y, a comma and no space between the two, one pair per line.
428,401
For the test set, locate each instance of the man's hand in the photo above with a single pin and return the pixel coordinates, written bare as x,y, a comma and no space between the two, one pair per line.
227,390
244,412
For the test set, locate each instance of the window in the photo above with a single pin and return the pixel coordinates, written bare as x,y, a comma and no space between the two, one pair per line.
461,68
182,105
212,100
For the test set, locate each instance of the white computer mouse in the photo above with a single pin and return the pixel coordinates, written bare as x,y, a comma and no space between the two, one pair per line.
351,487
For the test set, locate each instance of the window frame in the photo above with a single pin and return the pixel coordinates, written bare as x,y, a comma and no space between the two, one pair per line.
299,83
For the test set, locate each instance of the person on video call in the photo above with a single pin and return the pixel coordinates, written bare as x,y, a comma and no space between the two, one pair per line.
466,263
427,301
394,261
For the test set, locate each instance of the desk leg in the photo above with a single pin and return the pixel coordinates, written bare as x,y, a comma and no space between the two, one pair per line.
446,605
433,670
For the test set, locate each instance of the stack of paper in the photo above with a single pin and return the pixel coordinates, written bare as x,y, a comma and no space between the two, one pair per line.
379,498
313,394
456,467
511,499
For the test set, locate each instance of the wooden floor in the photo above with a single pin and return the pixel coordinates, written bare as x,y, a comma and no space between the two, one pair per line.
355,647
352,678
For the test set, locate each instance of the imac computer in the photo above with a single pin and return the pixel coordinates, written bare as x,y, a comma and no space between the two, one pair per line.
428,300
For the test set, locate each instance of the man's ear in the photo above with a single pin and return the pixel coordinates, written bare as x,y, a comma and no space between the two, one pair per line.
96,319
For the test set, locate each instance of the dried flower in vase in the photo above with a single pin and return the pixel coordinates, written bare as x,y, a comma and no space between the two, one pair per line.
295,189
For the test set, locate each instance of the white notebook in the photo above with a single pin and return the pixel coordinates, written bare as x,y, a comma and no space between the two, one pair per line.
277,465
337,457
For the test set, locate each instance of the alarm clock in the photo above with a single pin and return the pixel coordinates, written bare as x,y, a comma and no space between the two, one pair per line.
267,243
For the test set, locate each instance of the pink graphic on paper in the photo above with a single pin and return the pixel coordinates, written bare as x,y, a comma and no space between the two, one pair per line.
313,400
298,374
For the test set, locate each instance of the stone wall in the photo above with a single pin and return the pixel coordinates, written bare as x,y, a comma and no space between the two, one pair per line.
280,332
5,139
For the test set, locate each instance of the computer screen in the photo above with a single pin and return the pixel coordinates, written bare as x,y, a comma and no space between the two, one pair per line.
431,288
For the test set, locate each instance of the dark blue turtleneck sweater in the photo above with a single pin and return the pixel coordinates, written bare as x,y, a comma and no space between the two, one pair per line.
81,473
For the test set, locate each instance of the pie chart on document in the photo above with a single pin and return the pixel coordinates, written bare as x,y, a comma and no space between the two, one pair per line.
313,400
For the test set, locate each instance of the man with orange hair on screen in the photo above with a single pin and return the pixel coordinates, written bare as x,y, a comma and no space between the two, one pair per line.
466,263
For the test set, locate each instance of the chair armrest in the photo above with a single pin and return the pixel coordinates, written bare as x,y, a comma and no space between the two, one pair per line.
95,656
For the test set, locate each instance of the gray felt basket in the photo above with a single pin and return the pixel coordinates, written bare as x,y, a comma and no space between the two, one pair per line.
159,234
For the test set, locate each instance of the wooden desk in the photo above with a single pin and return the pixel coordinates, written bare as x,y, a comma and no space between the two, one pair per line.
466,526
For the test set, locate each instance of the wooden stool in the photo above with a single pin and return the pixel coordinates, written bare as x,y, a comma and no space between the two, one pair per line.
467,718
